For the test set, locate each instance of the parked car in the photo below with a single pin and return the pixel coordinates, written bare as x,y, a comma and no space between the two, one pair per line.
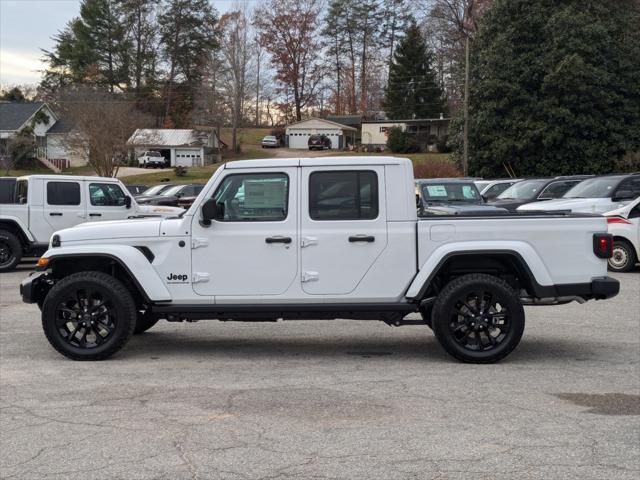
154,191
270,141
624,224
187,201
490,189
152,159
319,142
7,189
287,251
452,196
535,190
595,195
136,190
46,203
170,196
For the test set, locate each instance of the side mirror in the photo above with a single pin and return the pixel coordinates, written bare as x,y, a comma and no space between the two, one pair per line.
623,195
485,199
127,202
210,211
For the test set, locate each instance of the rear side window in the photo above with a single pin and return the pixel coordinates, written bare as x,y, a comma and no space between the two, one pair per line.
63,193
7,190
343,195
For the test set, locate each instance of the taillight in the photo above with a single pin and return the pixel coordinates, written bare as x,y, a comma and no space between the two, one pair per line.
618,220
603,245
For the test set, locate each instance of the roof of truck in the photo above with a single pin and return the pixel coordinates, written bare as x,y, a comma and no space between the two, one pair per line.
66,177
317,162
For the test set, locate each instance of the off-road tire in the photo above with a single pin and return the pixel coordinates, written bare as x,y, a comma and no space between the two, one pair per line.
625,249
143,323
114,290
11,242
444,310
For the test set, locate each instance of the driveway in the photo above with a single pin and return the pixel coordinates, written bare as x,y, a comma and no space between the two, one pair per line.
325,400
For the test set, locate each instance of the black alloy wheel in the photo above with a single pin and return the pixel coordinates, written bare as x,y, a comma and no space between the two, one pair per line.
478,318
10,251
88,316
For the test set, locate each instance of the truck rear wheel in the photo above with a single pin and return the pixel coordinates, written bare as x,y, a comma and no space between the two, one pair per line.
478,318
88,316
10,251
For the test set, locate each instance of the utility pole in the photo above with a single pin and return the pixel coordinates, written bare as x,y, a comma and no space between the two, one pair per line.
465,144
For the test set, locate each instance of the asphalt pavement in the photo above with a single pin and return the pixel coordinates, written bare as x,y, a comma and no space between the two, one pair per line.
325,400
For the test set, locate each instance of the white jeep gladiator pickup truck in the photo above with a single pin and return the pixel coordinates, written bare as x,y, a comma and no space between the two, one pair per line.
317,238
43,204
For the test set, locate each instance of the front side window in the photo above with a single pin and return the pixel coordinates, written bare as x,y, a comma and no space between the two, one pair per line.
343,195
253,197
63,193
106,195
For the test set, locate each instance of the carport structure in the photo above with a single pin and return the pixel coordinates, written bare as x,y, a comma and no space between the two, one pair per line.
341,136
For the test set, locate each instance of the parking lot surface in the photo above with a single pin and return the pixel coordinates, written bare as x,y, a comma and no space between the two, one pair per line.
325,399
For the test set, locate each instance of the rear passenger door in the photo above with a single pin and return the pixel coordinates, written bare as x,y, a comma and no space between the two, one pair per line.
64,204
343,227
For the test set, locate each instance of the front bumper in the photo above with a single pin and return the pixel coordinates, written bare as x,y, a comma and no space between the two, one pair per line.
34,288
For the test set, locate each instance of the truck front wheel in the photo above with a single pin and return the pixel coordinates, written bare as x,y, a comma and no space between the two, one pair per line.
10,251
478,318
88,316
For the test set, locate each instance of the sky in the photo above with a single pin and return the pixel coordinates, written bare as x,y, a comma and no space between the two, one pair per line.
27,26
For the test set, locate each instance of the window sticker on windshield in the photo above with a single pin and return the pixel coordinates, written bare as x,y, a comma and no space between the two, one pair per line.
437,190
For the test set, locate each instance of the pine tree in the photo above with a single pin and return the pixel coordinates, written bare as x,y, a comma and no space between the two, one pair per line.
554,87
412,91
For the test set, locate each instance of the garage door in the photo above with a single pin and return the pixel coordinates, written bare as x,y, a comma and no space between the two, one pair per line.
188,158
299,140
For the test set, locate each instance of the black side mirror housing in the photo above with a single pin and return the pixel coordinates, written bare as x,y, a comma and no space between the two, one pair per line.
127,202
623,195
210,211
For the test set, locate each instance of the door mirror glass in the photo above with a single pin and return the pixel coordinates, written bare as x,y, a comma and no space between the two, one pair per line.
623,195
210,211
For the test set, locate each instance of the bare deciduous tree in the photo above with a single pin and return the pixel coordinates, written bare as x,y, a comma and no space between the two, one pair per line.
101,125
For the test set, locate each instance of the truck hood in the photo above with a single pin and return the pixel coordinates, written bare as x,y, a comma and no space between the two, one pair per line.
158,210
576,205
111,230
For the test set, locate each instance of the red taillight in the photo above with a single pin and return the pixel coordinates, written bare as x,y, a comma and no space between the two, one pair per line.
603,245
618,220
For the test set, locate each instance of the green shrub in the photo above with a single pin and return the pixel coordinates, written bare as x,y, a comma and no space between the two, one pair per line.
397,140
180,171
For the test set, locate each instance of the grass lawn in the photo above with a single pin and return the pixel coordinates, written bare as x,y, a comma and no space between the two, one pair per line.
247,136
84,170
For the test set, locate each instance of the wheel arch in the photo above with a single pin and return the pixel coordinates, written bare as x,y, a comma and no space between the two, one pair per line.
507,264
128,265
16,226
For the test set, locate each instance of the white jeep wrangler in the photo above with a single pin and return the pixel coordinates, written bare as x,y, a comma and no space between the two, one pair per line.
317,238
43,204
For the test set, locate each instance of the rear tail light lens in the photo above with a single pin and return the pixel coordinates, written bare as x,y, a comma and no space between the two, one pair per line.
618,220
603,245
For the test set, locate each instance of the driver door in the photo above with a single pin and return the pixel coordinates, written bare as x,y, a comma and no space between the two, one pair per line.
252,248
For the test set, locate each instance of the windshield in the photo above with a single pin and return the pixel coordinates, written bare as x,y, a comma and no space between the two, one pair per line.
155,190
601,187
172,191
525,190
482,184
450,192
